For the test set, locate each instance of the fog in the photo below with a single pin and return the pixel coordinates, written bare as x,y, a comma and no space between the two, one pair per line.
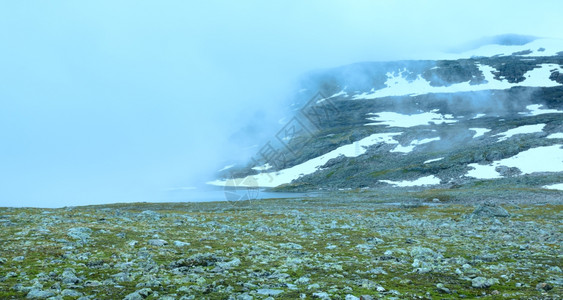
114,101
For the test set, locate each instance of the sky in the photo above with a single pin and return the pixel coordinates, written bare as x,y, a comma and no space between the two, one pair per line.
118,101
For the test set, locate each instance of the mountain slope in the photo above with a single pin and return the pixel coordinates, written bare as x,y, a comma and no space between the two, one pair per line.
444,123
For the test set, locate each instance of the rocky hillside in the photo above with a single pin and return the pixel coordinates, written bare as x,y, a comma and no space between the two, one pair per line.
432,123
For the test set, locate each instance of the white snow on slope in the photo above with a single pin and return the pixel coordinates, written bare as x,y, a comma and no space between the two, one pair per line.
479,131
341,93
428,180
276,178
540,159
397,85
557,186
410,147
540,76
520,130
558,135
262,168
394,119
433,160
536,109
226,168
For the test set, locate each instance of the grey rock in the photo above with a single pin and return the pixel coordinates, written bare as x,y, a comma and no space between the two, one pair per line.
150,283
508,172
269,292
442,289
482,282
157,242
321,295
181,244
302,280
366,297
230,264
80,233
39,294
351,297
149,214
488,210
139,295
293,246
423,253
71,293
92,283
244,296
542,286
68,277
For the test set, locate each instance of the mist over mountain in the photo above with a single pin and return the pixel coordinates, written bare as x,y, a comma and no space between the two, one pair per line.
494,114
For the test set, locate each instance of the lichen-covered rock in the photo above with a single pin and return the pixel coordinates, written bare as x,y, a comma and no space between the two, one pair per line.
482,282
489,209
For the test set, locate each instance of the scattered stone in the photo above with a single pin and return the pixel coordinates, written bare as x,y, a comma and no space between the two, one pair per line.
542,286
442,289
92,283
80,233
69,277
269,292
508,171
39,294
489,210
321,295
555,269
351,297
157,242
293,246
181,244
366,297
302,280
482,282
149,214
71,293
139,295
230,264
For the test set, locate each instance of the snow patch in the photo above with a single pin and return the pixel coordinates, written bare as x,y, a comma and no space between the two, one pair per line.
558,135
394,119
479,131
397,85
526,129
410,147
262,168
557,186
540,159
226,168
433,160
341,93
428,180
276,178
536,109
